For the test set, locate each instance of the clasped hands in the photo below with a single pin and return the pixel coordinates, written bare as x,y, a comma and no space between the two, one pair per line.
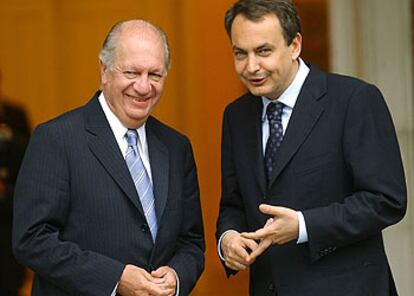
241,249
137,281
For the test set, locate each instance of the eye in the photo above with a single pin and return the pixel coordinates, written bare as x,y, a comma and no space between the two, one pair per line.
130,74
264,52
238,54
155,76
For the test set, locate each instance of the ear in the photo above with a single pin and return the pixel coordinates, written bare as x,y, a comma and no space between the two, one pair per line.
296,46
104,72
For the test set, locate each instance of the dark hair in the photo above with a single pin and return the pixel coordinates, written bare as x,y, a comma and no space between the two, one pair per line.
255,10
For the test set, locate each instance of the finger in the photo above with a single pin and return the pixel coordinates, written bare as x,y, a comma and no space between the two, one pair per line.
155,290
147,276
251,244
236,252
160,272
155,280
257,235
268,222
170,284
263,245
241,259
235,265
169,279
271,210
168,289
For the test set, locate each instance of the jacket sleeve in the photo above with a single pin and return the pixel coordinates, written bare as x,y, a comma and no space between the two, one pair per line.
41,205
373,159
231,212
188,259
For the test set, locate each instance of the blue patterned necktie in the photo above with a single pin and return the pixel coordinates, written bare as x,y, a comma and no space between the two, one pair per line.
142,181
274,116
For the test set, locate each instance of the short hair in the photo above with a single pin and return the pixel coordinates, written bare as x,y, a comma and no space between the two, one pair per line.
107,53
255,10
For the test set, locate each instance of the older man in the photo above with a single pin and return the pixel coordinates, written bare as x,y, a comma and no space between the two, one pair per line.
102,198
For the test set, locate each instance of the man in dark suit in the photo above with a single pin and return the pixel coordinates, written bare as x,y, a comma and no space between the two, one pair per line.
14,135
311,168
107,198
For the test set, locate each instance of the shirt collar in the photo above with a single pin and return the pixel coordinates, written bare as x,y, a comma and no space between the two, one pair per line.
290,95
118,129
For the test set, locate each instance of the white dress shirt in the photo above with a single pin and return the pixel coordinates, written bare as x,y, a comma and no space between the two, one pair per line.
119,131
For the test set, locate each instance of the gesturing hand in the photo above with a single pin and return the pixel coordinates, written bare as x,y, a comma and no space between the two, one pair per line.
280,229
236,250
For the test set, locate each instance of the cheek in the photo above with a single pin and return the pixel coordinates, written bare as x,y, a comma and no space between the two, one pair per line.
127,86
238,66
158,89
271,64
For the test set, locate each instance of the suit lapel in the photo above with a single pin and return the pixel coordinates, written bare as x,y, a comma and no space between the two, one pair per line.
103,145
304,117
159,159
252,127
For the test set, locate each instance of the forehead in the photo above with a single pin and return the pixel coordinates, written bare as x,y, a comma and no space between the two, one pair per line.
248,33
140,47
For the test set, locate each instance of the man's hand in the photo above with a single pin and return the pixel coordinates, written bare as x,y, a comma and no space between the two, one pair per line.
169,279
136,281
280,229
236,250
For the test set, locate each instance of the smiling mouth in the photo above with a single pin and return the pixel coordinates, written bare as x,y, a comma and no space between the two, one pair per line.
257,81
137,99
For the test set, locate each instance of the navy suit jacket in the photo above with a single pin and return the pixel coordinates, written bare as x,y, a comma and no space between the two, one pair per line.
77,216
339,163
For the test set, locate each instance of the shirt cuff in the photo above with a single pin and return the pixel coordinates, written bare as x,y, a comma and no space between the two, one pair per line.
177,291
303,234
114,291
219,244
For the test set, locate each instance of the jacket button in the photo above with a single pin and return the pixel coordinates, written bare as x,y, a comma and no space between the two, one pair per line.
271,287
144,227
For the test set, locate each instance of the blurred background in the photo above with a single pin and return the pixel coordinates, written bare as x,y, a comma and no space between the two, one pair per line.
49,65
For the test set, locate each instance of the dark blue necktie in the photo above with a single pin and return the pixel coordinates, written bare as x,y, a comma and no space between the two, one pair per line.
274,116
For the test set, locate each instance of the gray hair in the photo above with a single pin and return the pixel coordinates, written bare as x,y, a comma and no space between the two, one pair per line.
107,53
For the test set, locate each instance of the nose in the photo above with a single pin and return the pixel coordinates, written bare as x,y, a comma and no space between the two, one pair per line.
252,64
142,85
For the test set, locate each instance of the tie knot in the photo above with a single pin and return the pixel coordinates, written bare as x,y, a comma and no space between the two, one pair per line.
132,137
274,111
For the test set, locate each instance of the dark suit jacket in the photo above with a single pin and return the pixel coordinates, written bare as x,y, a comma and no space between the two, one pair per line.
78,219
339,163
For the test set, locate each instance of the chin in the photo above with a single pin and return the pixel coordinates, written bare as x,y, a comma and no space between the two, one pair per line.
257,92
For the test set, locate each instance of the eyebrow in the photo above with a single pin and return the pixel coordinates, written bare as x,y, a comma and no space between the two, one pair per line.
264,46
256,48
237,48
